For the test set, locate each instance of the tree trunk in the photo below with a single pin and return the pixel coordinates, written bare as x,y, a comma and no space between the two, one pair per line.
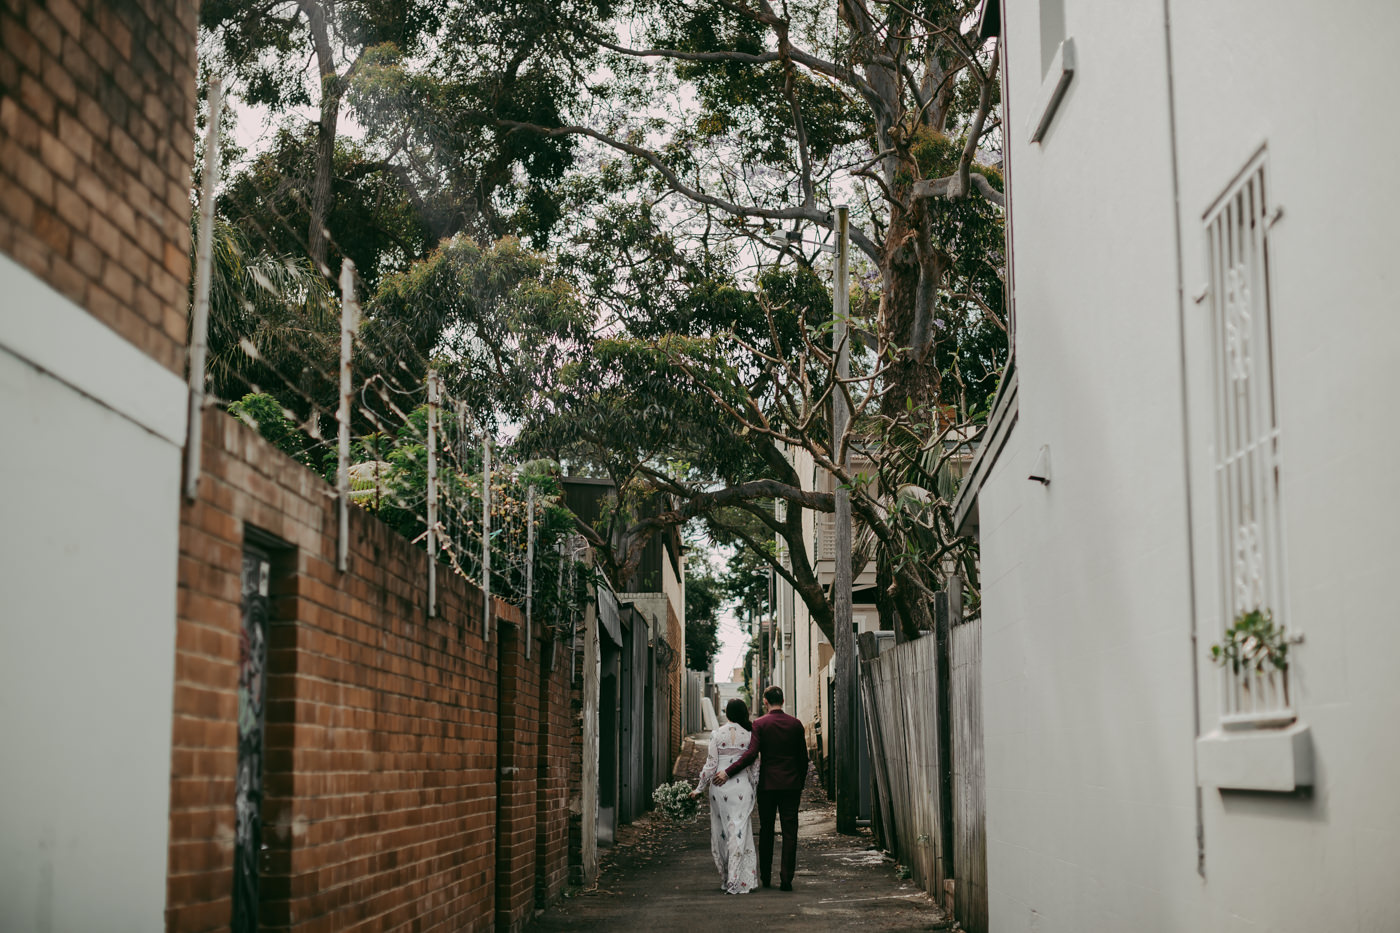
317,236
911,268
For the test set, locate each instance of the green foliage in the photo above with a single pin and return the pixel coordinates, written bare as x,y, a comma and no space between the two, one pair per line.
498,320
658,317
373,219
389,478
704,597
1254,643
266,415
745,582
273,326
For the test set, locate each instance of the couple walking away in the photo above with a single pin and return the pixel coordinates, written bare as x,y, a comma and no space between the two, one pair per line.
781,742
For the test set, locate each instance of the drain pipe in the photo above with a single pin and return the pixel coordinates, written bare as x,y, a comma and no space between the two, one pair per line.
1185,439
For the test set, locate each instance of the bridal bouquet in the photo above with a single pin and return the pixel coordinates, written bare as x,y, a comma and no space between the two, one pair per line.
674,800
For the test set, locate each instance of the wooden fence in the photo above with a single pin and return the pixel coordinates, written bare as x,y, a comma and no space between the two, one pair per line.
901,692
969,777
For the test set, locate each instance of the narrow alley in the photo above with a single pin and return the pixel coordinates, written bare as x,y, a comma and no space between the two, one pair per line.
660,877
429,423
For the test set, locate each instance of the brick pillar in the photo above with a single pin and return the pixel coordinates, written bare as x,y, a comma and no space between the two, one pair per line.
517,738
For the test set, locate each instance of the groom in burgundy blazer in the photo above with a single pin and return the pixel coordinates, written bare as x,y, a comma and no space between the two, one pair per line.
782,741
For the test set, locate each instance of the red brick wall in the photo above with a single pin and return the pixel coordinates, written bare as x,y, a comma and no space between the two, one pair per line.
675,635
518,760
402,753
556,731
96,141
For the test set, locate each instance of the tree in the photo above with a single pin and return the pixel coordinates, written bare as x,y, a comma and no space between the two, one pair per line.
892,101
498,321
265,45
704,598
273,328
426,83
889,105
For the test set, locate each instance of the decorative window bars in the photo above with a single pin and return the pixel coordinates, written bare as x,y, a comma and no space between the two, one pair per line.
1246,442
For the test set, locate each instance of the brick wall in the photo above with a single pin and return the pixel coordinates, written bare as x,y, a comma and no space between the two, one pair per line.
556,743
97,106
518,761
403,754
675,635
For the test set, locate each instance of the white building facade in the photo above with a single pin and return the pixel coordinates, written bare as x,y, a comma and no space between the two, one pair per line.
1202,222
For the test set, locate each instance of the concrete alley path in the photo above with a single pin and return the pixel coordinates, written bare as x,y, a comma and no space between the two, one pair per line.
660,878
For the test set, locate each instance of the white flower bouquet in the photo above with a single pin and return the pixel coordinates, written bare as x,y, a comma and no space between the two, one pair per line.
675,802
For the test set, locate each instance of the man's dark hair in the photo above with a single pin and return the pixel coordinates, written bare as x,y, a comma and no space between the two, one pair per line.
774,695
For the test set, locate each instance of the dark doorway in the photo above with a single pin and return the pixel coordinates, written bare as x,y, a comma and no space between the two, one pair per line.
252,720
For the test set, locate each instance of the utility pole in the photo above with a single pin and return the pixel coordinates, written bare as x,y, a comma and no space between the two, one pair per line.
844,739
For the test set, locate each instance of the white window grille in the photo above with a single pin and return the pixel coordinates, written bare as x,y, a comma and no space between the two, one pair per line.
1246,438
826,536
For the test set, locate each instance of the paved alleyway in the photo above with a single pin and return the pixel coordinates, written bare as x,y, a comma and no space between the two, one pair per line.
660,878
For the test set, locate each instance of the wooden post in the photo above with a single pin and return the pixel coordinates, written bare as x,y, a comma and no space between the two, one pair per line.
944,706
845,751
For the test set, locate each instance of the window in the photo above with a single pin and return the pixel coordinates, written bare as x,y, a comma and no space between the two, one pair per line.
1246,437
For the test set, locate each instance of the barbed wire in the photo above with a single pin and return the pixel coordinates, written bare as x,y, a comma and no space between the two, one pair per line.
287,342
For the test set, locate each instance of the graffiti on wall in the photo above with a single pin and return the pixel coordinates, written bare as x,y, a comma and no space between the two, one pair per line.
252,665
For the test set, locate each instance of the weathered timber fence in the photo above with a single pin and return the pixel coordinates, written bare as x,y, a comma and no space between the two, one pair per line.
969,777
900,692
899,689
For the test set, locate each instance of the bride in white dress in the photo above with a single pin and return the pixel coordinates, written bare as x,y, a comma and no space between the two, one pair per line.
731,805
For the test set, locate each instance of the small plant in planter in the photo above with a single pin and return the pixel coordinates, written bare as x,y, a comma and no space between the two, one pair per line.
1253,644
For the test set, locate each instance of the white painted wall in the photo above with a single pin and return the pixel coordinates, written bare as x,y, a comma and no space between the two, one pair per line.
1330,861
88,557
1087,586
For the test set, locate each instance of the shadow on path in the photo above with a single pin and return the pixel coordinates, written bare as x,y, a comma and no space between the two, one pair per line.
660,878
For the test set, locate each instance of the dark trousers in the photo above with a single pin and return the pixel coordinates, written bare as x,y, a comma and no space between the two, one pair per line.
780,803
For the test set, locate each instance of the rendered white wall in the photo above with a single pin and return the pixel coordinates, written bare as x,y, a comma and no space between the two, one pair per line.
88,554
1087,682
1328,860
1088,664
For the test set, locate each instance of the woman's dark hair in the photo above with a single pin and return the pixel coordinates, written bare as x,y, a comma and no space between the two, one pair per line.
737,711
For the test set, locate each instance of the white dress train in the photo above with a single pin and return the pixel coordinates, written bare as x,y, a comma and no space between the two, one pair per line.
731,806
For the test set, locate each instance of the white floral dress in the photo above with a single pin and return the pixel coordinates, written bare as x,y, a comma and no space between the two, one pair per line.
731,806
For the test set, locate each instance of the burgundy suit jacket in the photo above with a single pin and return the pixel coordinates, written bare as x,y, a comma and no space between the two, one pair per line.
782,741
